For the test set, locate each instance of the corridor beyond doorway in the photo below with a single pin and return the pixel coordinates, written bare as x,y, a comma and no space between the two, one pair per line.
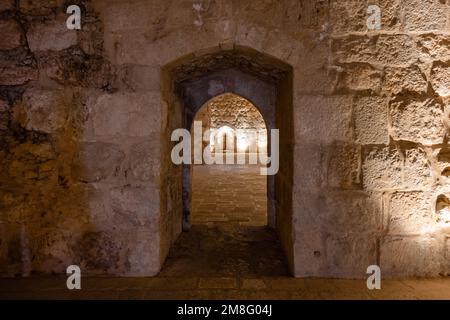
229,194
229,236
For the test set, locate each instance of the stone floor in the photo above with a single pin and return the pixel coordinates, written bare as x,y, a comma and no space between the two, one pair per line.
229,193
224,256
229,250
222,288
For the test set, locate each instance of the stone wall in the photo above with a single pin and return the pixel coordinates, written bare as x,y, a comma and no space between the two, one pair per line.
85,117
241,116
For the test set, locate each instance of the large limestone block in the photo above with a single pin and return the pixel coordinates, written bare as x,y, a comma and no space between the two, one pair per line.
44,110
359,77
11,34
417,169
350,212
344,162
370,116
309,253
37,7
425,15
409,213
393,50
411,256
97,161
6,5
15,73
100,252
324,119
145,160
137,78
351,15
134,15
138,206
143,253
382,168
442,156
349,256
309,167
52,35
433,47
440,78
417,120
409,79
126,114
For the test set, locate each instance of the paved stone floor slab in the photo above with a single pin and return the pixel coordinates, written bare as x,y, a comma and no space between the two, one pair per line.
223,258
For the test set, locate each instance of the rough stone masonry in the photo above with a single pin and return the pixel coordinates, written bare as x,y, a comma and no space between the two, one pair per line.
86,116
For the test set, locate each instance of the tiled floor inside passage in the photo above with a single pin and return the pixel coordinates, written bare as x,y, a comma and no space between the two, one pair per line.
228,254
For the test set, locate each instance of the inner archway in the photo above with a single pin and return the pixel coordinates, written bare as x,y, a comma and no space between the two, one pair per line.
231,190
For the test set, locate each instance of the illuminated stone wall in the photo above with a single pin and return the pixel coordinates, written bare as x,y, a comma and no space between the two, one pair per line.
85,176
231,117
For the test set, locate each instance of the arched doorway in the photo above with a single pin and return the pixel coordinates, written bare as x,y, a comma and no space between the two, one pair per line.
192,81
230,190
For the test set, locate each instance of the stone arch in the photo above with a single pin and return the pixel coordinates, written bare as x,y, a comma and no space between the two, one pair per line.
187,84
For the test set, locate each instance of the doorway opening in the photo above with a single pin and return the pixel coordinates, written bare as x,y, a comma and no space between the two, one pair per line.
238,222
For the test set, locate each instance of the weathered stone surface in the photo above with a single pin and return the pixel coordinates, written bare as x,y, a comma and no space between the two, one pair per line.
30,161
349,257
4,116
395,50
136,78
126,114
411,79
359,77
135,15
53,35
97,161
425,15
310,253
351,15
442,156
6,5
37,7
348,16
440,78
73,67
324,119
343,166
145,160
432,47
17,75
143,258
409,213
381,168
102,203
310,163
370,116
12,34
411,256
44,110
350,212
137,206
417,120
443,210
99,252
